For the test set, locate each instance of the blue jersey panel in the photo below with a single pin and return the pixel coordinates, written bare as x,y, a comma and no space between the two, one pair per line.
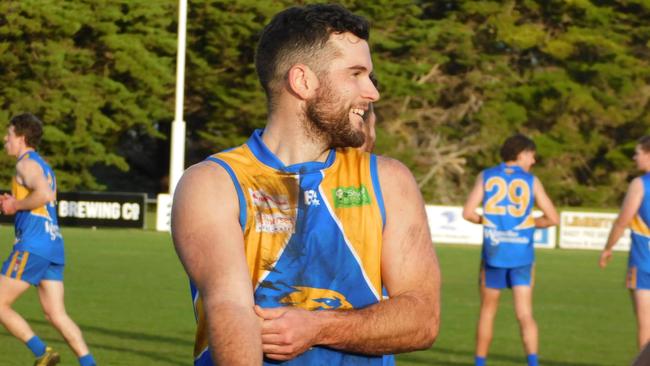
316,356
508,224
640,251
37,231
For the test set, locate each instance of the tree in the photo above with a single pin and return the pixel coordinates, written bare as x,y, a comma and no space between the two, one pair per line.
97,72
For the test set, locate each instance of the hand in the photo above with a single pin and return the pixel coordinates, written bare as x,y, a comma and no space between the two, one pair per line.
287,332
605,257
8,204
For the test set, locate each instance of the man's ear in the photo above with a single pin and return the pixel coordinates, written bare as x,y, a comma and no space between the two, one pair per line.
302,81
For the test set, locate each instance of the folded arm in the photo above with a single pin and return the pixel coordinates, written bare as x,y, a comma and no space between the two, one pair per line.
407,321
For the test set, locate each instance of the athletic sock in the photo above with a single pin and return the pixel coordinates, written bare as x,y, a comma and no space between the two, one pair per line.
36,346
87,360
480,361
532,359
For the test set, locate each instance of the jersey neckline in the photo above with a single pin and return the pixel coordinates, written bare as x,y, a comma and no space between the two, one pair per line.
266,157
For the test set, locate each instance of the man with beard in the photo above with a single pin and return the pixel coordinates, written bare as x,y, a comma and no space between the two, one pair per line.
292,239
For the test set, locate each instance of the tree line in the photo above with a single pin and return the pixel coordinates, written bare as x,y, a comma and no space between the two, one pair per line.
456,78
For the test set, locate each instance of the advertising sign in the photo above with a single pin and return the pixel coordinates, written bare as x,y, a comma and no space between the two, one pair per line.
589,230
448,226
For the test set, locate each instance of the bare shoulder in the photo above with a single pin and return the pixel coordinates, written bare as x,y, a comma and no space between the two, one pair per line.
393,172
202,188
636,184
28,165
29,173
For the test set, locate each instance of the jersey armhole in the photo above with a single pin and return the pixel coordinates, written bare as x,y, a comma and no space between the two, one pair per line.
240,192
377,188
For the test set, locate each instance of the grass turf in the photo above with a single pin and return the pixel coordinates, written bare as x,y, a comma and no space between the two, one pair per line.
129,294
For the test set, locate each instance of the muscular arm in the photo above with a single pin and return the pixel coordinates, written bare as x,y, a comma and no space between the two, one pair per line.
473,201
630,206
30,175
550,216
408,320
209,242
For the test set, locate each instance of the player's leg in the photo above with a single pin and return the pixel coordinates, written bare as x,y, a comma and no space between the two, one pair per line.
642,309
10,291
638,282
522,282
491,283
642,300
51,294
20,271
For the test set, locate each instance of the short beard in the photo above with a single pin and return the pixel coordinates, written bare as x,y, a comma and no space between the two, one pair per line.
323,122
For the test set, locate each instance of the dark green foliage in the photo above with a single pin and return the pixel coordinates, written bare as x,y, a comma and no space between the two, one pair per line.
96,72
456,77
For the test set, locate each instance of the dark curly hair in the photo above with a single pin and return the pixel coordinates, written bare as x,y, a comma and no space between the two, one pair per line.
514,145
29,126
644,142
299,35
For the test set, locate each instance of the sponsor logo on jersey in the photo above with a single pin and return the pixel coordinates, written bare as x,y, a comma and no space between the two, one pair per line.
350,196
496,237
274,222
264,200
273,213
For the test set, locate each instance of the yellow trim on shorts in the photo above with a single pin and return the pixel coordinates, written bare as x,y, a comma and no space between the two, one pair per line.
23,263
12,264
631,278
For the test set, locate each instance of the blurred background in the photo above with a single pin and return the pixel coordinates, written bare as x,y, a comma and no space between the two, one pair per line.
456,78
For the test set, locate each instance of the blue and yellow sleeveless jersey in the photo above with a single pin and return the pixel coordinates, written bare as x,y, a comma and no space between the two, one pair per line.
37,231
313,237
640,233
508,224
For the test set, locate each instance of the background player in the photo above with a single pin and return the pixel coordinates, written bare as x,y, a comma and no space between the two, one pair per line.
507,193
635,213
37,258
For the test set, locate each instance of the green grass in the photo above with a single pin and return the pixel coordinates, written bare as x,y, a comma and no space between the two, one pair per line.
584,314
129,295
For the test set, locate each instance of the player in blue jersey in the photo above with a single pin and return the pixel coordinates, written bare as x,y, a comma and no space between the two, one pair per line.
291,238
37,258
507,194
635,213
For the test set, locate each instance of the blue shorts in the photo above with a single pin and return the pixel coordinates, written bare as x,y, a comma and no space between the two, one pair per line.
500,278
31,268
637,279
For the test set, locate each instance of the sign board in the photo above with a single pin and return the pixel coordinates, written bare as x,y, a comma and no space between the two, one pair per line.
164,212
99,209
102,209
589,230
448,226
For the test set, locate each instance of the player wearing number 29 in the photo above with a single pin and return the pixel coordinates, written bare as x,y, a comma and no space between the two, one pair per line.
508,193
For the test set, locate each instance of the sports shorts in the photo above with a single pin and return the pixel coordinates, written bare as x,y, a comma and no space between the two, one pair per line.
31,268
500,278
637,279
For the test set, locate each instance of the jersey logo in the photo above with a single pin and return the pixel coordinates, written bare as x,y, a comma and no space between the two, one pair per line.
273,213
310,298
345,197
311,198
264,200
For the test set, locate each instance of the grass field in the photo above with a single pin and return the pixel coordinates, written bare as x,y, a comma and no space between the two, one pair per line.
129,294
